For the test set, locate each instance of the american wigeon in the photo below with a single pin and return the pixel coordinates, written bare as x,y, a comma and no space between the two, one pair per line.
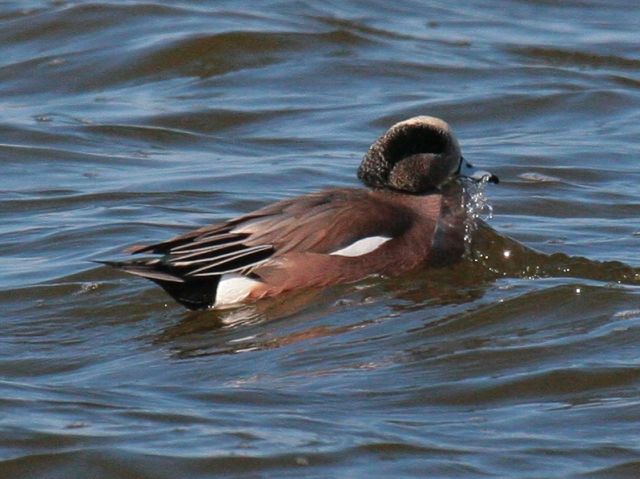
410,215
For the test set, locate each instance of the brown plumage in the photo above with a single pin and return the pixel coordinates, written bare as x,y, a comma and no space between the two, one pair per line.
411,217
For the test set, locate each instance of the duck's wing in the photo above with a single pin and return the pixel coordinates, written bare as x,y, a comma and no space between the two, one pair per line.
322,223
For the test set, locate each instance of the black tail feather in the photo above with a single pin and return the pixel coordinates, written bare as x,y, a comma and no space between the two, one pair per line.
193,292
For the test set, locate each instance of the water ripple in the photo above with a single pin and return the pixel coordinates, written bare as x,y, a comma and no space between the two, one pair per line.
128,122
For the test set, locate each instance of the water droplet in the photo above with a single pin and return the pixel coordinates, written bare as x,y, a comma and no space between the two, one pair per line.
475,202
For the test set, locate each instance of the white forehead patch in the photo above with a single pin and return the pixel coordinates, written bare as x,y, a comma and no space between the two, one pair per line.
425,120
362,246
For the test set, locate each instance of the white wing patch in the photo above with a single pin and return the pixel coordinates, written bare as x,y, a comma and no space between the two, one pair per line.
362,246
233,288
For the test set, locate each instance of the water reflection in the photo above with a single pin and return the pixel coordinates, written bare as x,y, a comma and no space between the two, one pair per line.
242,328
492,256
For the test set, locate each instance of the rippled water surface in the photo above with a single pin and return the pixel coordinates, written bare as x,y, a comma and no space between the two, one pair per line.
124,122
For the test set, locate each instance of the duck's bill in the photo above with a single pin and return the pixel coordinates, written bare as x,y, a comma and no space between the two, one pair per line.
467,170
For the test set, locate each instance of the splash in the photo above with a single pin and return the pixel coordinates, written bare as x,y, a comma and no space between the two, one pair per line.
501,256
476,204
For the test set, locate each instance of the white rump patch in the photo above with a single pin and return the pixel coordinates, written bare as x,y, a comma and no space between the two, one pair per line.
233,288
362,246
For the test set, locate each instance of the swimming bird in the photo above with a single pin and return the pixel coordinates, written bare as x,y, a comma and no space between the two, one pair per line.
410,215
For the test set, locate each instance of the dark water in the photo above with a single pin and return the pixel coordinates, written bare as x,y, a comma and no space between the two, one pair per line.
123,122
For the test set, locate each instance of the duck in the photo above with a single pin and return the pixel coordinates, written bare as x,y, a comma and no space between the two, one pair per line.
409,215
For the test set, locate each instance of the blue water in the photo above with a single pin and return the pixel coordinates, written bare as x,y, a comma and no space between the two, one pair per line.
128,122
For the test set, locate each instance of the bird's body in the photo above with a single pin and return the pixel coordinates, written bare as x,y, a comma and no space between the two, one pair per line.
327,237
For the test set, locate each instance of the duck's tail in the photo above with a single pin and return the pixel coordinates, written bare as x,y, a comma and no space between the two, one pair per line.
193,292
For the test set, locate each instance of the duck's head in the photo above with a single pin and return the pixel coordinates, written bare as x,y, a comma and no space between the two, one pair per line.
416,156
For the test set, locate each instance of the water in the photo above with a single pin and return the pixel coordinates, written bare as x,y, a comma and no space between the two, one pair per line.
125,122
